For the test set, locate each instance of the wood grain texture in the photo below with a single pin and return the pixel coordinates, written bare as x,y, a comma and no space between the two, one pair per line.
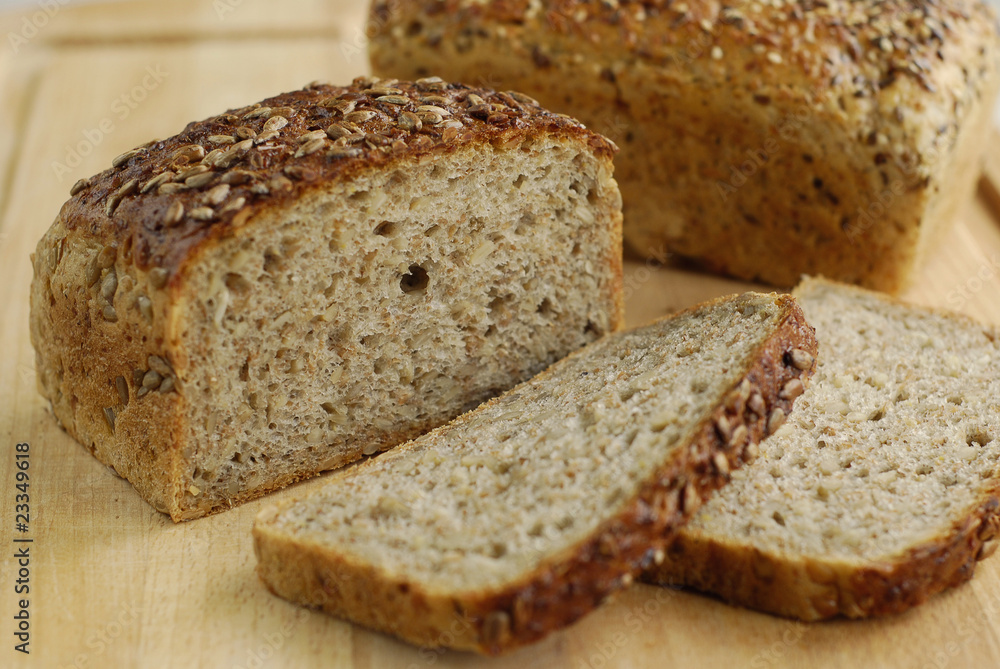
116,584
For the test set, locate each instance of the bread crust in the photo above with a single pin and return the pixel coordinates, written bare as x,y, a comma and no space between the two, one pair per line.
813,589
109,275
563,587
788,139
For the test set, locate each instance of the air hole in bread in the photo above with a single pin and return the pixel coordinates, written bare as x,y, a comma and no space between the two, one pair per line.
778,518
519,181
978,437
545,308
526,222
237,283
360,196
386,229
272,261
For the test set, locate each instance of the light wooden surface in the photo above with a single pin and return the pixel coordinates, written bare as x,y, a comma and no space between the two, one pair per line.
115,584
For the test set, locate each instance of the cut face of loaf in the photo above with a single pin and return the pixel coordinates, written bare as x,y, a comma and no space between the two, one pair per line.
218,317
883,486
764,140
523,515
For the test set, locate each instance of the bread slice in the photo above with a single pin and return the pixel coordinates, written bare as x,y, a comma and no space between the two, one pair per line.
285,287
881,489
523,515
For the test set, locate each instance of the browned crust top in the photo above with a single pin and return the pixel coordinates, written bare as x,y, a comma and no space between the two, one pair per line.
857,59
163,198
880,39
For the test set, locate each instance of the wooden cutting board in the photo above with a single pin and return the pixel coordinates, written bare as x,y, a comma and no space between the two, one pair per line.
115,584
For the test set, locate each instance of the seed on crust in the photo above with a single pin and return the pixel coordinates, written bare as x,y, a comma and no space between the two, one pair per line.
217,194
79,186
174,214
237,177
988,549
433,109
337,131
359,116
775,420
792,389
691,500
159,365
265,137
109,286
193,170
245,132
721,463
310,136
430,118
109,313
122,387
800,359
111,204
496,628
191,152
127,188
167,385
158,277
221,139
233,205
145,307
287,112
125,157
394,99
106,258
202,213
522,98
724,428
151,380
259,112
750,452
409,122
92,272
109,418
200,180
157,181
740,436
756,403
275,123
342,152
171,188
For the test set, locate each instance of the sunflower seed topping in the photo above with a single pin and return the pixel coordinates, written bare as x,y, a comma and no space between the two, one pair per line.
174,214
125,157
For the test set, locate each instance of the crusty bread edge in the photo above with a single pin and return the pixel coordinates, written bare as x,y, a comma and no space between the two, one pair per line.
564,587
813,589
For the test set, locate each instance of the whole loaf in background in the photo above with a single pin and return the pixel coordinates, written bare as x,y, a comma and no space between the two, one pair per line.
285,287
762,140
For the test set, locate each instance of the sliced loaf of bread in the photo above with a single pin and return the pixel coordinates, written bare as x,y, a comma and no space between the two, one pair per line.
283,288
881,489
524,514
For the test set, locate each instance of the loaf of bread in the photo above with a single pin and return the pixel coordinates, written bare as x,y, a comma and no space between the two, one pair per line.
524,514
882,488
762,139
285,287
